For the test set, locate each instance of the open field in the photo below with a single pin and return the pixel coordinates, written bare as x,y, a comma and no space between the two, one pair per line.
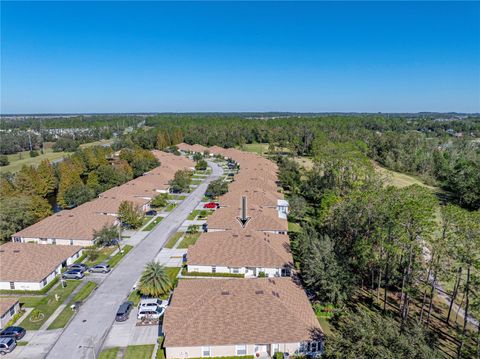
18,160
400,180
259,148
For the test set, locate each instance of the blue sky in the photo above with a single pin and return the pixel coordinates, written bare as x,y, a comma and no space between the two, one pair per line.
226,56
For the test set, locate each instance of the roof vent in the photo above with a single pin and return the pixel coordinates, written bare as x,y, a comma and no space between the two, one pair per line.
2,251
248,235
259,292
235,235
225,292
16,251
70,215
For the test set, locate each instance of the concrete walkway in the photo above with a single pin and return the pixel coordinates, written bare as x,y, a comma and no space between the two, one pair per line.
84,336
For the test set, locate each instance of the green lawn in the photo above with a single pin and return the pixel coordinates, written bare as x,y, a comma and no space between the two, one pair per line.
49,304
118,257
110,353
196,181
173,239
172,272
146,219
31,302
103,254
259,148
139,351
170,207
65,315
17,160
188,240
294,227
152,224
193,214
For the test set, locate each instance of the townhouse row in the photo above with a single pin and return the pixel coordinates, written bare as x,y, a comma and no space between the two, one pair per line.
265,312
34,258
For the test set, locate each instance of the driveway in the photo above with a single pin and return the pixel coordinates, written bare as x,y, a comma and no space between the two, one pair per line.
88,330
127,333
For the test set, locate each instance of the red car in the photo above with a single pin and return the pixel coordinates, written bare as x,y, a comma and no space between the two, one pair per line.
211,205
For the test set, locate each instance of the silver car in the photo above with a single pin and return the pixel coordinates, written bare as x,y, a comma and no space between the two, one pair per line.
7,345
100,268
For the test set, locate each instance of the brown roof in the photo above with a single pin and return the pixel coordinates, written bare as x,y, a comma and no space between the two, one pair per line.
241,249
262,219
30,262
78,223
106,204
238,311
6,304
169,159
242,183
255,196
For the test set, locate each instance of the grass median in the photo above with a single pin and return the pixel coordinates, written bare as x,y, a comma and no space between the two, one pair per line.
139,351
173,239
67,313
152,224
118,257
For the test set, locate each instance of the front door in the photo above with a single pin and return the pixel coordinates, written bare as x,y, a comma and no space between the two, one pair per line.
261,350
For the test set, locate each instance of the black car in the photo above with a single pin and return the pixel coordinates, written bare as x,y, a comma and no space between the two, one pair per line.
151,212
123,311
13,332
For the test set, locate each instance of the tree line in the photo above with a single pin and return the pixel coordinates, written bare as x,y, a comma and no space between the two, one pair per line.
395,245
75,180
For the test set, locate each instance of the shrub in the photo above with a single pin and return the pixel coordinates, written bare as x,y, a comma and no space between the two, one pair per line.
262,275
192,229
34,153
278,355
4,160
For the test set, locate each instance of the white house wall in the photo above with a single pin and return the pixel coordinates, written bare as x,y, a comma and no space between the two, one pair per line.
270,272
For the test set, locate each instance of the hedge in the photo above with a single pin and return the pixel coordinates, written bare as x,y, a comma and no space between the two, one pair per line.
185,273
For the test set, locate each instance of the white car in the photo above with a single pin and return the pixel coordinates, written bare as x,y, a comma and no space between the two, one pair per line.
150,312
148,302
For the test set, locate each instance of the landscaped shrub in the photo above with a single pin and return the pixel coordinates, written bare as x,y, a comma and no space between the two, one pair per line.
278,355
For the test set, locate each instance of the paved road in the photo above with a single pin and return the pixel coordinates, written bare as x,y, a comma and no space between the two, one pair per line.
85,334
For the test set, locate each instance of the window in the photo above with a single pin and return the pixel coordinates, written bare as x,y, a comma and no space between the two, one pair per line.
214,269
12,310
235,270
286,272
205,352
71,242
240,350
274,348
12,285
44,282
54,241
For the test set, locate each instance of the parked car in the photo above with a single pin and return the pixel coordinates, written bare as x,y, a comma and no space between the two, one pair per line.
73,274
211,205
123,311
151,212
7,345
79,266
14,332
100,268
148,302
150,312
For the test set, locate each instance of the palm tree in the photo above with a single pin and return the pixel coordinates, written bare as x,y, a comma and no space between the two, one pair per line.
154,280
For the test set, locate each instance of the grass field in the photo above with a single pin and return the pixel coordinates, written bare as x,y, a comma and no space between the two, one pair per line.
48,305
400,180
67,313
152,224
188,240
17,160
110,353
259,148
139,351
173,239
118,257
103,254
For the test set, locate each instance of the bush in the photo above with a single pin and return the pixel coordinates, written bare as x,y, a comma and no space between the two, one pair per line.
192,229
65,144
278,355
34,153
201,165
160,200
185,273
262,275
4,160
216,188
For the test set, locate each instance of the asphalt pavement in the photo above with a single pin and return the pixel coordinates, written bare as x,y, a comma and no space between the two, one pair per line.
84,336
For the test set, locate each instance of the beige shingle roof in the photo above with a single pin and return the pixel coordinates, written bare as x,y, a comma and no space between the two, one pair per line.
255,196
30,262
262,219
238,311
6,304
241,249
78,223
107,204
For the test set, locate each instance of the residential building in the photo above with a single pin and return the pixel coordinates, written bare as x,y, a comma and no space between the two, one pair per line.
239,317
8,308
30,266
241,252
